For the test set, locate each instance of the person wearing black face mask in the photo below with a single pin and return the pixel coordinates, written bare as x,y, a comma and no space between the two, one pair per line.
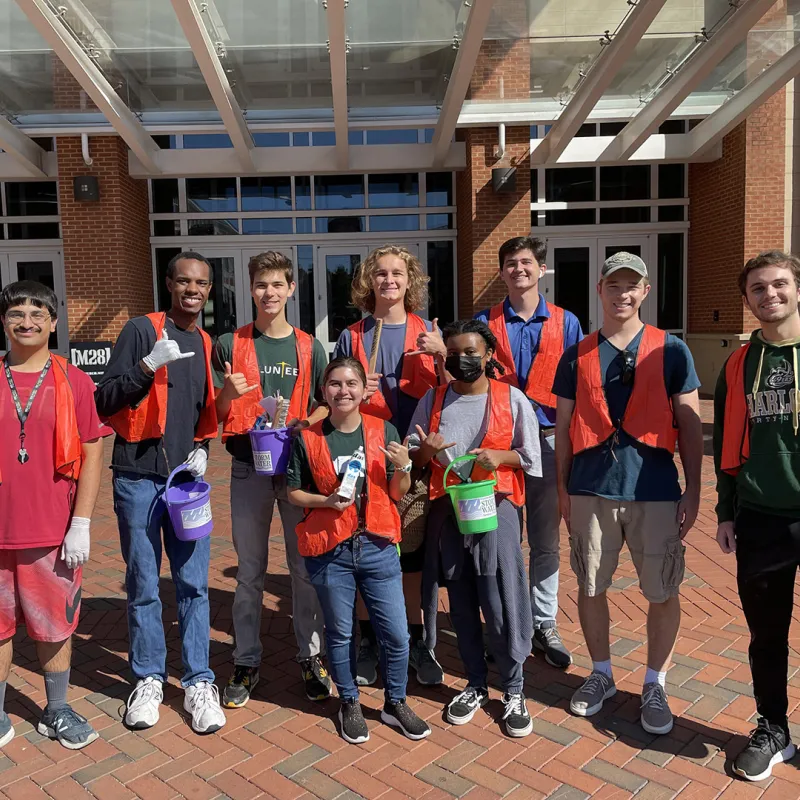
484,572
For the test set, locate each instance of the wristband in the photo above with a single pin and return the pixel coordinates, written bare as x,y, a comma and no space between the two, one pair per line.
407,468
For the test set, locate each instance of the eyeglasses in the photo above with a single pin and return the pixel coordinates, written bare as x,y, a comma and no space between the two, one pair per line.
628,367
19,316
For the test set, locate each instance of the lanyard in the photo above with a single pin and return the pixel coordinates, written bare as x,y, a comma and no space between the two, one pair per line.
22,414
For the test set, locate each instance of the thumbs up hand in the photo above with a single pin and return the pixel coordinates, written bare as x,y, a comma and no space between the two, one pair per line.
431,342
236,384
164,352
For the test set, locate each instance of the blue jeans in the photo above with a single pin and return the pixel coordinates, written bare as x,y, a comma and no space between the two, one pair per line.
370,565
142,515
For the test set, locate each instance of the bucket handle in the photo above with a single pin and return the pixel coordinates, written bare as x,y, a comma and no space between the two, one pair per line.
465,457
172,474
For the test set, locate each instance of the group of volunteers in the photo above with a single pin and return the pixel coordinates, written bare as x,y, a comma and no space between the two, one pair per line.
567,427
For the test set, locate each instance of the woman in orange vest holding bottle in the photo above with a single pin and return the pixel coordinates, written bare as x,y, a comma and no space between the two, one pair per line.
347,472
482,572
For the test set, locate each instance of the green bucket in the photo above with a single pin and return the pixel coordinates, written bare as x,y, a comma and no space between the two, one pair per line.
473,503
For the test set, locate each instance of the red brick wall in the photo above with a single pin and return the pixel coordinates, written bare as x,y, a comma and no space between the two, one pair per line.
107,260
485,218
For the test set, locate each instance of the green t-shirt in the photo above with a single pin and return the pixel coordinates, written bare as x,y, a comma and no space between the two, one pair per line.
342,446
277,365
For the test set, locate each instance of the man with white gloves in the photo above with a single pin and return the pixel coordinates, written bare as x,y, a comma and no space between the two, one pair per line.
158,395
51,458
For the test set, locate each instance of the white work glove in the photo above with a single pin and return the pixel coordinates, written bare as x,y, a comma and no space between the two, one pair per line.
197,462
75,550
164,352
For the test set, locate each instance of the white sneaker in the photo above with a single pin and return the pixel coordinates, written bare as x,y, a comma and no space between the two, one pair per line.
142,708
202,702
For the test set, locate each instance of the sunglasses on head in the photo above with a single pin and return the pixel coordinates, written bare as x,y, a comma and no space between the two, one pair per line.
628,367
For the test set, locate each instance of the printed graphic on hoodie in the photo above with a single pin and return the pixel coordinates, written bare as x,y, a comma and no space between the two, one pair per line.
777,401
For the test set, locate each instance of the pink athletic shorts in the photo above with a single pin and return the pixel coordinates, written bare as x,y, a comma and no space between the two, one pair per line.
37,588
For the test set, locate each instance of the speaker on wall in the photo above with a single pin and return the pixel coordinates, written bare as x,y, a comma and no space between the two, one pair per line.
504,179
86,187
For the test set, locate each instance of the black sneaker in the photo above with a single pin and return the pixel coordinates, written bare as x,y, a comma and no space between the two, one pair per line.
463,707
423,662
768,745
68,727
240,686
367,663
351,722
399,715
549,641
316,679
518,720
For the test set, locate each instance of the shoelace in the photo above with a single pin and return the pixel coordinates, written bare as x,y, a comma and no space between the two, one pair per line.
594,683
655,697
206,694
241,674
552,636
765,738
144,693
425,655
469,697
65,718
515,704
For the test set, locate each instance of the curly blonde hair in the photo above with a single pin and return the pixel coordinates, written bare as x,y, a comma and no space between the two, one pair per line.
362,294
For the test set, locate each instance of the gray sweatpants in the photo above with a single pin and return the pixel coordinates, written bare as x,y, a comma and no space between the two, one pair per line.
253,499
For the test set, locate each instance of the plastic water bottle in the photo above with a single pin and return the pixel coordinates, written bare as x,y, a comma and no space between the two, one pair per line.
354,469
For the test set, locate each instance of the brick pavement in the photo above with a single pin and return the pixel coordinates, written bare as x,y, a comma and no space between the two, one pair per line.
283,746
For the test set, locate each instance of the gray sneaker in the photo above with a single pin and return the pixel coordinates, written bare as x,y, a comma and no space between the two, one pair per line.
6,729
423,661
588,700
656,716
67,727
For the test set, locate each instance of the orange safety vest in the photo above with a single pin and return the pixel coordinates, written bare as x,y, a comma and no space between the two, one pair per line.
539,386
419,372
499,433
736,432
68,451
148,419
323,528
648,416
245,410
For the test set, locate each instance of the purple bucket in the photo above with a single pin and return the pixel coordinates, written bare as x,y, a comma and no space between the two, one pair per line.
189,507
271,450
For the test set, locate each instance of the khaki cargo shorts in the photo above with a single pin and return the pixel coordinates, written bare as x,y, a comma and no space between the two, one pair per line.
599,527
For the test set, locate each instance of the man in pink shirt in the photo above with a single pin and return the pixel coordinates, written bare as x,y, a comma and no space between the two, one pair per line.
51,457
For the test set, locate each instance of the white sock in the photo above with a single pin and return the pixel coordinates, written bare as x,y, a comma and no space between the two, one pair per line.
652,676
602,666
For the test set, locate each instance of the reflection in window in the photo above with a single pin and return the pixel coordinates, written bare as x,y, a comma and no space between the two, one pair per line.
573,184
438,222
339,191
399,136
166,227
339,270
274,226
442,289
34,230
213,227
305,286
571,273
323,138
394,190
394,222
267,194
219,315
341,224
429,135
271,139
302,193
301,139
439,189
625,183
670,281
355,137
211,194
34,198
305,224
201,141
165,195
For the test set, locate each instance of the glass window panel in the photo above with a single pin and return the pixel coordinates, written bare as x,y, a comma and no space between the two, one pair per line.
611,128
271,139
47,143
534,219
166,142
41,271
302,139
611,216
219,314
202,141
32,199
587,129
274,226
305,224
400,136
302,193
323,138
670,280
339,270
573,216
441,289
163,256
34,230
394,222
211,194
671,213
355,137
213,227
634,249
534,186
166,227
571,274
267,194
305,287
439,189
575,184
394,190
671,181
341,224
434,222
429,135
335,192
625,183
671,126
165,195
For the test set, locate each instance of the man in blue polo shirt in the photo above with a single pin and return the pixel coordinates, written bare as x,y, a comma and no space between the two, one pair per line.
532,335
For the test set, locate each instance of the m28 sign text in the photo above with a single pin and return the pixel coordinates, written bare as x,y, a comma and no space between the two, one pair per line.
91,357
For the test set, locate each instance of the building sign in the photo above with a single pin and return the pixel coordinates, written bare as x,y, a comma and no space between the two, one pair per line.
91,357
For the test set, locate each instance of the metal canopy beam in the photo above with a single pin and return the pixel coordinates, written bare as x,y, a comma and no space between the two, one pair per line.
727,117
22,148
460,78
337,49
218,84
600,77
695,71
92,80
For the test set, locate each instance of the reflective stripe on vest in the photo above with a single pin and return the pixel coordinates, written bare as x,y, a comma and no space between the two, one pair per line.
67,448
323,528
149,418
245,409
648,416
419,372
542,374
736,430
498,436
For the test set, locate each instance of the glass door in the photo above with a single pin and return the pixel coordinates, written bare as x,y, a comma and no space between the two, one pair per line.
334,273
639,246
220,314
571,278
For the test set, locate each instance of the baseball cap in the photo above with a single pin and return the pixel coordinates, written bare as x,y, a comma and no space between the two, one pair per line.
623,260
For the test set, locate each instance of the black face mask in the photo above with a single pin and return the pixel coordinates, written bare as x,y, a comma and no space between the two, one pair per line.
464,368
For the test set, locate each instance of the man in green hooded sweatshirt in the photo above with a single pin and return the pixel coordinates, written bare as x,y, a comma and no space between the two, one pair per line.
757,459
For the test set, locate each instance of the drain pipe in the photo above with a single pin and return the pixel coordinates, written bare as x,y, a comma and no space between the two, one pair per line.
500,151
87,159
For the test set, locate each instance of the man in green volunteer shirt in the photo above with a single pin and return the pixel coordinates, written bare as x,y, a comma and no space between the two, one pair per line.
264,358
757,458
